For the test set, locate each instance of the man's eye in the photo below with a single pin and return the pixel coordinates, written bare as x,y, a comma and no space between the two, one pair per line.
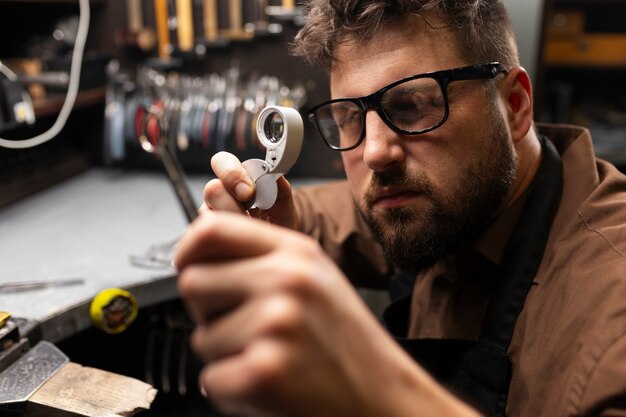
347,117
407,107
404,105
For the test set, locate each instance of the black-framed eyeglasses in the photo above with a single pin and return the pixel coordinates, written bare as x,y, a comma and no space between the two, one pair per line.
409,106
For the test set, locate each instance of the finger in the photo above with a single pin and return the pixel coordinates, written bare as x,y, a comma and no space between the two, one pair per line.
212,289
203,208
218,236
284,192
284,211
232,332
236,383
204,297
217,197
235,178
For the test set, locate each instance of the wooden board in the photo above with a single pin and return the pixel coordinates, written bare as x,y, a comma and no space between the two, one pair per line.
76,390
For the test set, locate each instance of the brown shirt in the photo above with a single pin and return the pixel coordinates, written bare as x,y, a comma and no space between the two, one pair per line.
569,345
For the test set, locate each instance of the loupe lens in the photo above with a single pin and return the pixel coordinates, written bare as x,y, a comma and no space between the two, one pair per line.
274,127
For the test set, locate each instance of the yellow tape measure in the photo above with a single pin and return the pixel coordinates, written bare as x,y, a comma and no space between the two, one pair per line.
113,310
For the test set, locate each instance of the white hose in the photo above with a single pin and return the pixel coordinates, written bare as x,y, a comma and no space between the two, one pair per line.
72,90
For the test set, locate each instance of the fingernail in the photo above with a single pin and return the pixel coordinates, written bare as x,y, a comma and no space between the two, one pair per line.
203,391
242,191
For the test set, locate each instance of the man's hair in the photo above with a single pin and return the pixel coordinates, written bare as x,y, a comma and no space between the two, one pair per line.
482,27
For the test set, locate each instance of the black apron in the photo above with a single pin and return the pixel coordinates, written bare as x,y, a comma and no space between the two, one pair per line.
479,372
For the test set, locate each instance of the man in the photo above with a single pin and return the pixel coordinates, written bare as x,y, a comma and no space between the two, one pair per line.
509,242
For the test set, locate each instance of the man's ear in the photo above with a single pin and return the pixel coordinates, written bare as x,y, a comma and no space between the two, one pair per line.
516,90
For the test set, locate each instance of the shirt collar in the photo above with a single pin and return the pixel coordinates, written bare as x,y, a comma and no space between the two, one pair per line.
493,242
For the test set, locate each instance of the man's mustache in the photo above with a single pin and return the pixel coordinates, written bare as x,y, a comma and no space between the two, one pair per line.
397,177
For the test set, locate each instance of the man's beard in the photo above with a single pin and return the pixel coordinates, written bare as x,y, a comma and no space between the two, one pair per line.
414,239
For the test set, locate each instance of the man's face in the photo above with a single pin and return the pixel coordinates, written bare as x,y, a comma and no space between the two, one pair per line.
424,196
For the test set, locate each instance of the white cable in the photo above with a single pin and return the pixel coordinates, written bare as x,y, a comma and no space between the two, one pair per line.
72,89
6,71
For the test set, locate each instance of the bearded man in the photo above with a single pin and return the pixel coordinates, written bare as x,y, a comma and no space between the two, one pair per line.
503,242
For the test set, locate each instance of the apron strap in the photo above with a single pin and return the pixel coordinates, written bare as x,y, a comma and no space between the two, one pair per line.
485,371
524,252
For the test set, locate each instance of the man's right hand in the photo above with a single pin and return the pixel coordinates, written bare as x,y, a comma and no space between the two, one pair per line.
233,188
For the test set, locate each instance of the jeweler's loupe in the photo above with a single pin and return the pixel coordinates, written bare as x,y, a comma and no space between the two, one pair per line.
280,131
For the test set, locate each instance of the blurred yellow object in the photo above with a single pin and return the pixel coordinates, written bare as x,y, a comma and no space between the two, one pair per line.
4,318
113,310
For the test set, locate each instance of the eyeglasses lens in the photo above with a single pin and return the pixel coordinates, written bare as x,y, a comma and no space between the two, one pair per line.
340,123
413,106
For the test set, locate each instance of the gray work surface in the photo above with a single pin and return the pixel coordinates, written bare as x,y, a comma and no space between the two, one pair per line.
88,227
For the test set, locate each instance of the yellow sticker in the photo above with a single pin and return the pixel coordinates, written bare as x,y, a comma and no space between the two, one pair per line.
4,318
113,310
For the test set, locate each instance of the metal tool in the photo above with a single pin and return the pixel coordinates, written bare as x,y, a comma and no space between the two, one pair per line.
157,256
177,177
172,25
16,106
230,104
23,377
155,140
58,79
287,11
261,26
13,344
22,286
114,113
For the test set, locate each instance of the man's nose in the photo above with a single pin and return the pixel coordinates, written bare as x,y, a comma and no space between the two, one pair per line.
383,146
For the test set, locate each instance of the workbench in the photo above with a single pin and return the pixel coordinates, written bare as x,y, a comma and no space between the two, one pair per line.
88,227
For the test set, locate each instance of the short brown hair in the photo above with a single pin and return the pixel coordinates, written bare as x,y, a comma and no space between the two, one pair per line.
483,28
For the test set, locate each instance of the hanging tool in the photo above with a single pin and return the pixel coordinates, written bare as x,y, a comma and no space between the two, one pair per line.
287,11
227,114
16,107
163,33
155,140
114,114
210,21
136,35
261,26
185,25
198,23
236,31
